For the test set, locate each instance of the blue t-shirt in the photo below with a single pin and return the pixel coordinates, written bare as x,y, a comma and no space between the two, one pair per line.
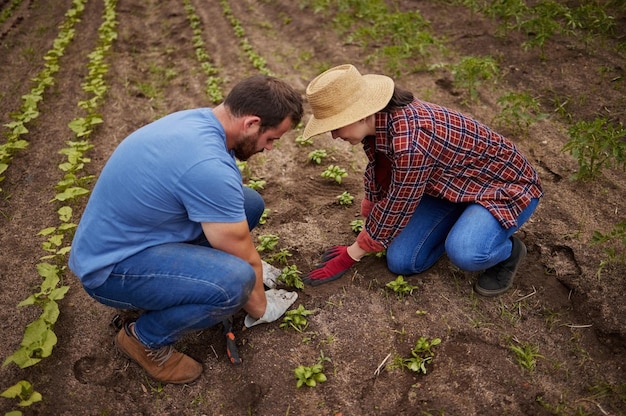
160,183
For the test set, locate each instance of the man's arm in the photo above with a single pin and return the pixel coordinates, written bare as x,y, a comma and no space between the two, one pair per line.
235,238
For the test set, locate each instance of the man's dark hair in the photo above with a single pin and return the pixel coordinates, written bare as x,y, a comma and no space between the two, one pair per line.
269,98
400,98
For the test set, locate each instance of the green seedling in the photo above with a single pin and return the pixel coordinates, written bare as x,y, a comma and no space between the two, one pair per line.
471,71
290,276
266,213
615,243
301,141
317,156
596,145
267,242
309,376
256,184
421,355
335,173
345,198
519,112
24,392
401,287
526,355
296,319
280,257
357,225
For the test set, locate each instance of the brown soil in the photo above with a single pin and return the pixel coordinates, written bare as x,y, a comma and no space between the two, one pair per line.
574,317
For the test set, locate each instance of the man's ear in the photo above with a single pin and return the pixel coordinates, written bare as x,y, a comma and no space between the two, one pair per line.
251,122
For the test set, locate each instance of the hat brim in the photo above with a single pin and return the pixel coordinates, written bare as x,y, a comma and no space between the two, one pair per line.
374,98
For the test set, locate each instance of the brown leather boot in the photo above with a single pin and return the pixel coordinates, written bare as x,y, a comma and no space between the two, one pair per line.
163,364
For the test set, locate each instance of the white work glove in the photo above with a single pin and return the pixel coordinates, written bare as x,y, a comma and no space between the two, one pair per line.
270,274
278,301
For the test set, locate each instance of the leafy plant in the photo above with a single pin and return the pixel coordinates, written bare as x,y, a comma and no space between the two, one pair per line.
471,71
345,198
615,253
401,287
526,355
335,173
264,215
290,276
519,112
311,376
301,141
281,256
357,225
317,156
296,319
268,242
256,184
421,355
24,392
596,145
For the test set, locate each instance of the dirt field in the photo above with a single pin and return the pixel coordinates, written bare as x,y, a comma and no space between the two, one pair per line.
575,318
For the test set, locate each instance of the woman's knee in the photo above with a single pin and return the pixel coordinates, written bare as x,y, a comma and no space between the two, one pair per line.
403,264
465,256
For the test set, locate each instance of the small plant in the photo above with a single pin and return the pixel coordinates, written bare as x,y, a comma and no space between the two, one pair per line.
421,355
280,257
301,141
471,71
24,392
401,287
266,213
596,145
317,156
345,198
519,112
256,184
357,225
296,319
290,276
268,242
311,376
615,254
335,173
526,355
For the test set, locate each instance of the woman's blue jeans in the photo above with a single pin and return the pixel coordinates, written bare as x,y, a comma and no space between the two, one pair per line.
471,237
181,287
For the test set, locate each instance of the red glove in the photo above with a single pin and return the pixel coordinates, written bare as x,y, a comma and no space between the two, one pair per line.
335,262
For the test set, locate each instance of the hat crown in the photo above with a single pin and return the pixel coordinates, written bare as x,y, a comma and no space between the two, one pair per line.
331,91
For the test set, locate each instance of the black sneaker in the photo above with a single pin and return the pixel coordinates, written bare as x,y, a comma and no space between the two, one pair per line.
499,278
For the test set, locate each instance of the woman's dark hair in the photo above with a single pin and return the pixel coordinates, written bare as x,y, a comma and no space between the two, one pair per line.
269,98
400,98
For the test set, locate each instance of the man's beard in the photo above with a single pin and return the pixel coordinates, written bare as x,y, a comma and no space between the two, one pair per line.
246,147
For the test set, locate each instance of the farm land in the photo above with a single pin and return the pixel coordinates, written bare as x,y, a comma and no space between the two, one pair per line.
78,76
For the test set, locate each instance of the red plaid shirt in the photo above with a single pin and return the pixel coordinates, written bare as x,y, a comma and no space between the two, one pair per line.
424,148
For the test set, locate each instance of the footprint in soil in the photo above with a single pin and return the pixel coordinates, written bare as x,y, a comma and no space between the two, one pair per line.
93,370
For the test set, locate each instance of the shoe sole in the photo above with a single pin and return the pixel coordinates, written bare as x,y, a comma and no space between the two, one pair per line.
496,292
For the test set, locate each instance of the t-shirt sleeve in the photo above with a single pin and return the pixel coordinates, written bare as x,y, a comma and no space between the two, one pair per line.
212,191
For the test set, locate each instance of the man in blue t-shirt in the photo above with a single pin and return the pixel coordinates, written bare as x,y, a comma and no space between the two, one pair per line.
167,228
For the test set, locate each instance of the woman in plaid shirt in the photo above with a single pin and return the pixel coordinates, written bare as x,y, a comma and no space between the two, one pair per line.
436,182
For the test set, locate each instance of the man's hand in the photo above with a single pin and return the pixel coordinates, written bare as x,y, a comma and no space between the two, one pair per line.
335,262
278,301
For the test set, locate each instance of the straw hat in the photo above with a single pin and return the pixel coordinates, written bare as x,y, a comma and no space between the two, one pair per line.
342,96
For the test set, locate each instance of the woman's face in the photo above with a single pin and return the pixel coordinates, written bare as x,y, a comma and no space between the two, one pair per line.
352,133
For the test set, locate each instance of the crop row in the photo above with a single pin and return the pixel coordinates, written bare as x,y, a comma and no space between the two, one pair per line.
39,337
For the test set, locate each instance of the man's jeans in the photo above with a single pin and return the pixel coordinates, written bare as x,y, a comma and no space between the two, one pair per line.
181,287
471,237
